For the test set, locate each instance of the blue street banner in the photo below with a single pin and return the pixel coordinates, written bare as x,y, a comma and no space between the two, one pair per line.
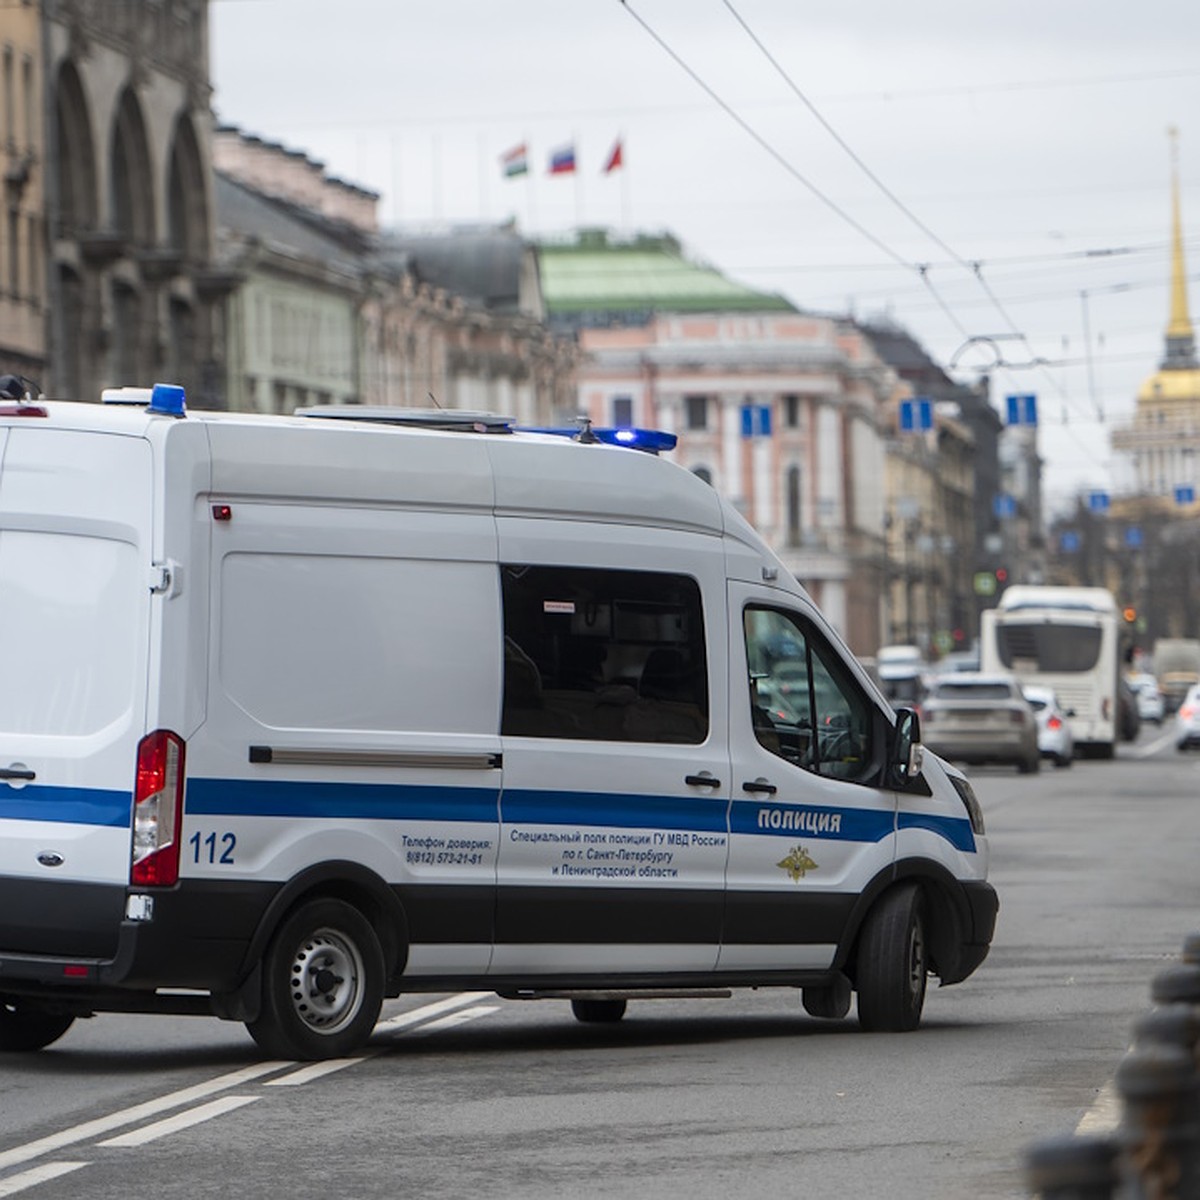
1185,494
1069,542
1021,409
1004,505
916,415
756,420
1133,537
1098,502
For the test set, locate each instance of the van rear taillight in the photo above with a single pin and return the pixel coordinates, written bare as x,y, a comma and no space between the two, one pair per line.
157,810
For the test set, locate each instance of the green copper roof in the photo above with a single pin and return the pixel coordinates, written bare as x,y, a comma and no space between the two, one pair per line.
594,275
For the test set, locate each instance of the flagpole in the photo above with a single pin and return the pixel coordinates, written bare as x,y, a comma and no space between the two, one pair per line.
578,182
624,189
530,208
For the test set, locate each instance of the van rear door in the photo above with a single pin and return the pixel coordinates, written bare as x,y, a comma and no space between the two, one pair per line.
75,537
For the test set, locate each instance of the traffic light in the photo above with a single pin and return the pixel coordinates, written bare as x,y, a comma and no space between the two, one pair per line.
1129,613
1001,575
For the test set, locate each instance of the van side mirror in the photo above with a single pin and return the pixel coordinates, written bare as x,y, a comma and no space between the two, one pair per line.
908,755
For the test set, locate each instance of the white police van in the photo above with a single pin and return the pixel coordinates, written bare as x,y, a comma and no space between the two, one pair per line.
304,712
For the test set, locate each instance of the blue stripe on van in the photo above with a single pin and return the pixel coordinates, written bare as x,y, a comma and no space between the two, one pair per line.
956,830
812,820
71,806
249,798
344,801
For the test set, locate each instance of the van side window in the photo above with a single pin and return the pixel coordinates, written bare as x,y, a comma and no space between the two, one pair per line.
603,655
805,705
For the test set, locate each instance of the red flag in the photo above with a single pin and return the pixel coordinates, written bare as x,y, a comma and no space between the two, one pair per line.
614,159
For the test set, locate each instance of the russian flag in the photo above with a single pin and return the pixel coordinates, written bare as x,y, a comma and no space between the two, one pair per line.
615,159
562,161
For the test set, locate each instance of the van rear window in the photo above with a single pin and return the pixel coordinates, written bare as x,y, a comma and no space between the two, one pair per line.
75,605
603,655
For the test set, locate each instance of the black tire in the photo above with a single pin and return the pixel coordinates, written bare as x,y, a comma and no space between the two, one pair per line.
892,963
24,1027
322,984
832,1002
1030,766
1063,760
598,1012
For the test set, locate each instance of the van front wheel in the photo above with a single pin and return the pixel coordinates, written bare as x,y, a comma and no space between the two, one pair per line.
892,963
24,1027
322,983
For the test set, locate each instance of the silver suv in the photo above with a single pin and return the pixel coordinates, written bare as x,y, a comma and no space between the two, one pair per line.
975,717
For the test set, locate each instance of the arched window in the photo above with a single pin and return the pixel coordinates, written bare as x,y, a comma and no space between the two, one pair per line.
132,194
187,209
76,157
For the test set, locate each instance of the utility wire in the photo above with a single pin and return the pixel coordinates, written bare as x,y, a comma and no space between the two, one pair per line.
747,128
976,267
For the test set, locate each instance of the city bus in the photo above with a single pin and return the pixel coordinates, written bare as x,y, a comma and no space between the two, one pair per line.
1068,639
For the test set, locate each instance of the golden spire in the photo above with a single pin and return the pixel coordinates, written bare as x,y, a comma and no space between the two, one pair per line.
1181,344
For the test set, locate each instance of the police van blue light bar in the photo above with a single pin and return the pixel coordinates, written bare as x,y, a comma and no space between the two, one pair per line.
167,400
652,441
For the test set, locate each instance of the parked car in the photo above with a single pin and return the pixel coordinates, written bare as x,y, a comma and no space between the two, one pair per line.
1054,731
978,717
1129,720
1187,720
1150,704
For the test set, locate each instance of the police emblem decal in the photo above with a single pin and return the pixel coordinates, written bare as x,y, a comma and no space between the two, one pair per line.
797,864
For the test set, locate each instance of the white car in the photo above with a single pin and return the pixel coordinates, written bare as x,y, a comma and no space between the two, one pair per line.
1054,731
1187,720
1150,703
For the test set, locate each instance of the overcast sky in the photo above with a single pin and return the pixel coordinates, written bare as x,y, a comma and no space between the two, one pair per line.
1029,137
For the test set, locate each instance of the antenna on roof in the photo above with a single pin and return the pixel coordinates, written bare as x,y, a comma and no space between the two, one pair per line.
434,399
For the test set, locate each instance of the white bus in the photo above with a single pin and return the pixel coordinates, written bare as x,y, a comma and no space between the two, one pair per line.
1068,639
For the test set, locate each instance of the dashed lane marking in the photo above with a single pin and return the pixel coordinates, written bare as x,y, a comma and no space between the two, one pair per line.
35,1175
183,1120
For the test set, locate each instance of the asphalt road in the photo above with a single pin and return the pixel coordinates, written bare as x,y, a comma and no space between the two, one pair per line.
468,1095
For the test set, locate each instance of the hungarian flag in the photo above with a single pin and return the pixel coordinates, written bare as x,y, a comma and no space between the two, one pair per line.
515,161
562,161
614,159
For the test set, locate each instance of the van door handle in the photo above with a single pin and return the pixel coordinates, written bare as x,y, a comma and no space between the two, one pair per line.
705,780
759,785
17,773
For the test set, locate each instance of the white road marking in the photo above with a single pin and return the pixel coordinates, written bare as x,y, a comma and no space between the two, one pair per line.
458,1018
1160,742
417,1015
317,1070
129,1116
440,1014
1105,1113
400,1023
36,1175
183,1120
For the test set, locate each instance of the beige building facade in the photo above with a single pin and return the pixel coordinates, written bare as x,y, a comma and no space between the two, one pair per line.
781,412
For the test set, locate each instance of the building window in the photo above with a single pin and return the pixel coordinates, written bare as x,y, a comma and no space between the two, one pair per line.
791,412
622,411
697,411
603,655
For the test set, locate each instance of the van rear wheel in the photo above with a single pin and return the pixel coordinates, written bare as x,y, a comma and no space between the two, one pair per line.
322,983
893,963
598,1012
26,1027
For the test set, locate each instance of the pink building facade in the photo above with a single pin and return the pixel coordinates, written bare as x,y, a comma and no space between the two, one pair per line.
781,412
